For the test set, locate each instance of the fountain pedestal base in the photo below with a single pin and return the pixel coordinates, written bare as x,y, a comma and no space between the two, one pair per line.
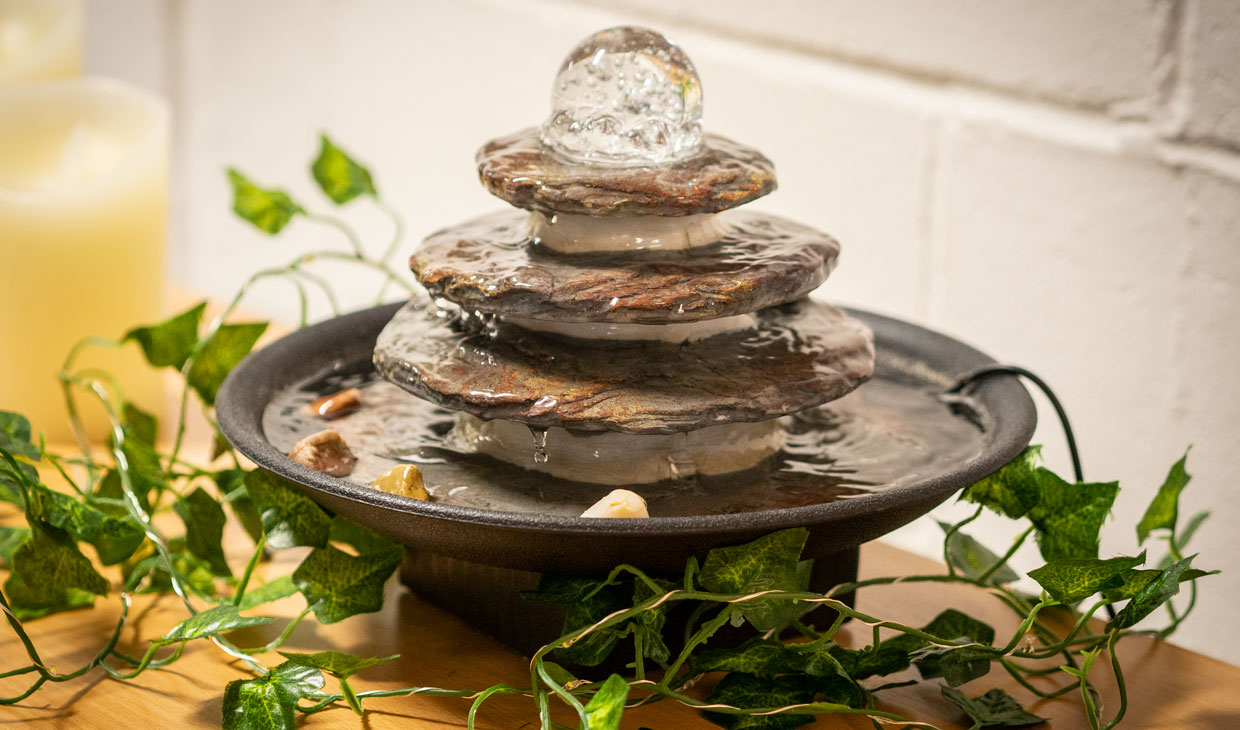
489,598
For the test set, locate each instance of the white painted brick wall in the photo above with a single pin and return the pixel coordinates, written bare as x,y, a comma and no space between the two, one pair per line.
1091,53
1055,182
1212,71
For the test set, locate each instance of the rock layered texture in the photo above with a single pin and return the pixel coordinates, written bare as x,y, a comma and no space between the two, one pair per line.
802,354
520,170
490,265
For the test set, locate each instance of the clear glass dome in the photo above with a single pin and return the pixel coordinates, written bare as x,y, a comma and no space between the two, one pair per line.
625,96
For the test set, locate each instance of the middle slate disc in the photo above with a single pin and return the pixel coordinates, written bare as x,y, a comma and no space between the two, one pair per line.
490,265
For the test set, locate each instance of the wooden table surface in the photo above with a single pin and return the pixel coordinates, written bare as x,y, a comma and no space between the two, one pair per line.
1169,687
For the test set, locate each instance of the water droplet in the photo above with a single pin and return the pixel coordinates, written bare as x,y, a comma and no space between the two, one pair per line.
625,96
540,444
681,465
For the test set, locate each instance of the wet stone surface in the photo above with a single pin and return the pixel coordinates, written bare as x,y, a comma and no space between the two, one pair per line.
520,169
489,265
801,355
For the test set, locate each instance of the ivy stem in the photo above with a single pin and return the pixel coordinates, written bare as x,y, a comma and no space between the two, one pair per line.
947,539
249,569
1020,540
355,242
398,234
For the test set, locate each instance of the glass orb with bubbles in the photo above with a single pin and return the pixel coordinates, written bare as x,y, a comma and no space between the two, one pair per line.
625,96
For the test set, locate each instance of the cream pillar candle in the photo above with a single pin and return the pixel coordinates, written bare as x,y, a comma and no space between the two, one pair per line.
83,191
40,40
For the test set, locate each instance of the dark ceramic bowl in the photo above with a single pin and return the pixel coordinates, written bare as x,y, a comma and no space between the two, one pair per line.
476,562
543,543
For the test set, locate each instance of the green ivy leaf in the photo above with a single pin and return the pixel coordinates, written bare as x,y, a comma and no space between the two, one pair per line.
360,539
1185,536
146,474
231,483
15,436
281,587
268,702
1153,594
204,520
767,658
258,704
212,621
591,650
751,693
1013,490
139,424
1074,579
957,665
299,679
562,590
169,343
114,539
1132,582
28,602
220,354
340,177
768,563
338,664
973,559
338,585
559,674
219,446
872,661
770,657
269,210
50,573
13,475
996,708
649,623
604,709
1163,511
290,518
951,625
194,571
10,539
1070,516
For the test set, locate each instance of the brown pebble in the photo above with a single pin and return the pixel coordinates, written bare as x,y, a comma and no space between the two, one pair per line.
325,452
404,480
335,405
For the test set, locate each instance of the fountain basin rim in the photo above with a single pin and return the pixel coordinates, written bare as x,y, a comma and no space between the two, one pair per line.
247,390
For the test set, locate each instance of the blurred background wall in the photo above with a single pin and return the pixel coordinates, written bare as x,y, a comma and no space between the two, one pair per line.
1056,182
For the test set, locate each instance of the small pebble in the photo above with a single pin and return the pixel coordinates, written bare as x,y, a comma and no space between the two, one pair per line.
404,480
336,404
326,452
619,503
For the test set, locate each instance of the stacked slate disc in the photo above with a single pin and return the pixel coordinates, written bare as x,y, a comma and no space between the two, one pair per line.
618,297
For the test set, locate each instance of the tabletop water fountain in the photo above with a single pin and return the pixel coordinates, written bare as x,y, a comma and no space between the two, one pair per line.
624,324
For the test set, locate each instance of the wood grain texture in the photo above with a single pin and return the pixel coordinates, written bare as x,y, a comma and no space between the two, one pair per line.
1169,687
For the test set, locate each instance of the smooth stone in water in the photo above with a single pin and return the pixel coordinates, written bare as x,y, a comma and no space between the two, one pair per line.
489,265
801,354
607,457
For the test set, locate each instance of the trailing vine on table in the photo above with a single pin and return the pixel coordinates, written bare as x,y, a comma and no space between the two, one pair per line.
787,673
